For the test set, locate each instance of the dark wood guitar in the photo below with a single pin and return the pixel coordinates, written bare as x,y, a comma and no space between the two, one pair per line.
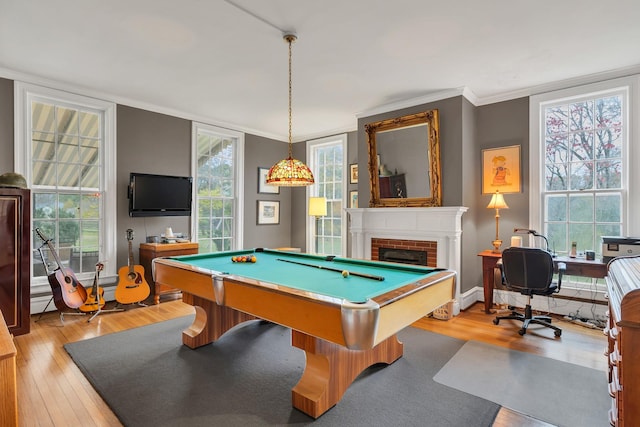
67,290
132,286
95,295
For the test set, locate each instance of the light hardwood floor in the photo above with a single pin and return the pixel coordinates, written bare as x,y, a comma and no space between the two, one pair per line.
53,392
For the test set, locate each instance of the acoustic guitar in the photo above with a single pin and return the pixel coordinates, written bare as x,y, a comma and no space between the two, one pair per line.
95,295
132,286
67,290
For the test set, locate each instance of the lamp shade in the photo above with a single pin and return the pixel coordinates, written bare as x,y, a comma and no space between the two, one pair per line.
317,206
290,172
497,201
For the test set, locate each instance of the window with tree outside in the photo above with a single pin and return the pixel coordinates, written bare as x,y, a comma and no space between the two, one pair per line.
584,144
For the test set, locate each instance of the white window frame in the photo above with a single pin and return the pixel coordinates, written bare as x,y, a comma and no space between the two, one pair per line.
631,152
24,94
631,222
238,241
312,191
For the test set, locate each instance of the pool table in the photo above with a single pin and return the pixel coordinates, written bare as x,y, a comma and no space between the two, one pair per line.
343,313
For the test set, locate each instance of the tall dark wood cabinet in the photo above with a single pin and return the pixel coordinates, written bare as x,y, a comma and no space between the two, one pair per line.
15,258
623,332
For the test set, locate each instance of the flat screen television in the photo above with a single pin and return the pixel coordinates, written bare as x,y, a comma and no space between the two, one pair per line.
159,195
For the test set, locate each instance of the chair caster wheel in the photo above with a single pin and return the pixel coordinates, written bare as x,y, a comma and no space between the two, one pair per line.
557,333
522,331
496,321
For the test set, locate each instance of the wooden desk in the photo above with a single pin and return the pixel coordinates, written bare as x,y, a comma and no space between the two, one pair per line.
149,251
575,267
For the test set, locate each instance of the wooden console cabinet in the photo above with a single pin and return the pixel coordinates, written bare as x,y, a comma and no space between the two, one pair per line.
15,258
8,378
149,251
623,332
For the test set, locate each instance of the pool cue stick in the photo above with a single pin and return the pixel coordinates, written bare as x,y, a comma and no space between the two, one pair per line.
353,273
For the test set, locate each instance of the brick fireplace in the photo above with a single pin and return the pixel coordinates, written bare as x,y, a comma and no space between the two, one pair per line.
429,248
436,230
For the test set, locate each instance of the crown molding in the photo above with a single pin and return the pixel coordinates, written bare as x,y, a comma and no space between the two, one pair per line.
560,84
425,99
129,102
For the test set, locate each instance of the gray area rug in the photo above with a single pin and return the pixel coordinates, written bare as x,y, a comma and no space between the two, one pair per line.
149,378
557,392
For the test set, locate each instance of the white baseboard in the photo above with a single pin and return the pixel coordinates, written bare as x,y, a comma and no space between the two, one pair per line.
39,303
562,307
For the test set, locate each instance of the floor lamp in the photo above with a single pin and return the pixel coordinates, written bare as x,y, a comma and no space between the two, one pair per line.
497,202
317,207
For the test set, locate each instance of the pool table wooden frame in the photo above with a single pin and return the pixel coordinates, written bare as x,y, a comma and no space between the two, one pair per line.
340,339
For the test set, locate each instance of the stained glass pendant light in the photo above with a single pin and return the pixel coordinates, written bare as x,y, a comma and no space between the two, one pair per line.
290,172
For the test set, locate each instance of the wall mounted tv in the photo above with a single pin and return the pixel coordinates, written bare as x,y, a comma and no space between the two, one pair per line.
159,195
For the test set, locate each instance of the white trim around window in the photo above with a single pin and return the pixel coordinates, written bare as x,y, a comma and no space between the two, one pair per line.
24,94
631,85
196,128
312,191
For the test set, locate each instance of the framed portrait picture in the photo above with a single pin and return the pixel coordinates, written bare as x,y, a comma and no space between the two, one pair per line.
268,212
263,187
353,173
501,170
353,199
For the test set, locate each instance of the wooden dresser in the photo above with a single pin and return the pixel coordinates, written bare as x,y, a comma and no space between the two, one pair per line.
149,251
623,332
15,258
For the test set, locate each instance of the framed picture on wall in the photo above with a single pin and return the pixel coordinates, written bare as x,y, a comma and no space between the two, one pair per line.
263,187
353,199
268,212
501,170
353,173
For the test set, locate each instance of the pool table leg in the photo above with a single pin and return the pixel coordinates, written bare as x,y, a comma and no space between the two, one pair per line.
211,322
331,368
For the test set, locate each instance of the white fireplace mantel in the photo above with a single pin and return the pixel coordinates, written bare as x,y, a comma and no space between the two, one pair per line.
440,224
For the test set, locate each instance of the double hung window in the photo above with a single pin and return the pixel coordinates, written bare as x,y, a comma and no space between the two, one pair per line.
218,165
327,234
65,149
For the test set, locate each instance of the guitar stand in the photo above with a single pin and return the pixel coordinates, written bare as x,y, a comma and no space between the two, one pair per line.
72,313
100,310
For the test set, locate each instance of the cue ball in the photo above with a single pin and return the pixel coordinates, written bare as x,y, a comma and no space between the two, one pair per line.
345,273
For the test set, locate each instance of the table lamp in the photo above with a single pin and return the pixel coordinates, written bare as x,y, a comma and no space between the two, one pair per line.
497,202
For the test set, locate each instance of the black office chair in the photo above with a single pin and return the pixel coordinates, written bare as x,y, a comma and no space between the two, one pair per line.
530,272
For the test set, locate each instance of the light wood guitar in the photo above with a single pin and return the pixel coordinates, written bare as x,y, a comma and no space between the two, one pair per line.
67,290
132,286
95,295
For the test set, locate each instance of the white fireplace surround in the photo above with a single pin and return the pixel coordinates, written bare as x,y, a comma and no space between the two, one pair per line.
439,224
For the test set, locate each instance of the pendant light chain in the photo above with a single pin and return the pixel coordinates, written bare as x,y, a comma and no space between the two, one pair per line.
290,39
290,172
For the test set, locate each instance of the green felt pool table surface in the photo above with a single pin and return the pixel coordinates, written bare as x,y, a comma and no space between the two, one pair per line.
278,267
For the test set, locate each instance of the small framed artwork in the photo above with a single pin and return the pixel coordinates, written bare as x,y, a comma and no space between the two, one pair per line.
501,170
268,212
263,187
353,199
353,173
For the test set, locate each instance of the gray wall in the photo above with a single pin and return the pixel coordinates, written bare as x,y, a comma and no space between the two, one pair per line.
264,152
465,130
6,126
157,143
148,143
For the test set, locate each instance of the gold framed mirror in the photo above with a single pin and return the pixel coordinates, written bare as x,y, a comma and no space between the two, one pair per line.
404,161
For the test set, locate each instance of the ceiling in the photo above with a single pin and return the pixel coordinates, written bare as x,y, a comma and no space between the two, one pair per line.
224,62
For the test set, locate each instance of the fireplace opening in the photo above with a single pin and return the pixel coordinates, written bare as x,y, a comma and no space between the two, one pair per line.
404,256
